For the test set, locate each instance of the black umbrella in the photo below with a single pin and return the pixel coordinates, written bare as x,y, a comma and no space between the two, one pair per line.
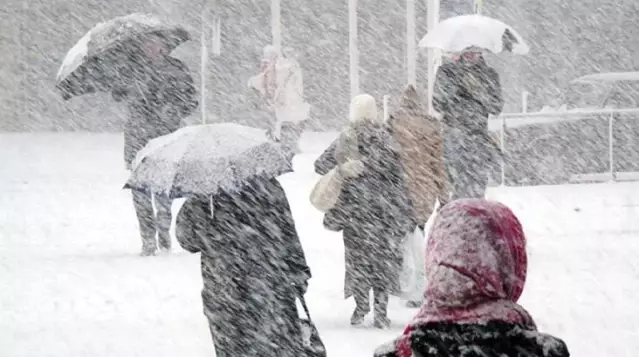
103,55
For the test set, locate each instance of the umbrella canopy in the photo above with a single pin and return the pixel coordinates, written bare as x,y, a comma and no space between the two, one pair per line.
202,159
460,32
95,61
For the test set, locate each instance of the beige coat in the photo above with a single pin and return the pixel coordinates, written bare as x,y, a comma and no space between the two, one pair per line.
422,150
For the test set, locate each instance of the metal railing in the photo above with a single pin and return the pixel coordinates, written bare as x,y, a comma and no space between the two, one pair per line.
512,120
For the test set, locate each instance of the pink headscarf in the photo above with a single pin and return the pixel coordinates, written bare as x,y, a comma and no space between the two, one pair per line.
476,268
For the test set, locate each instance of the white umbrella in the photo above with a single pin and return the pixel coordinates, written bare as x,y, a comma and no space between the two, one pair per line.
199,160
92,64
460,32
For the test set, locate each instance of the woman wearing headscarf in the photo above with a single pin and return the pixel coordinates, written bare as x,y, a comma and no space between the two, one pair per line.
476,268
373,211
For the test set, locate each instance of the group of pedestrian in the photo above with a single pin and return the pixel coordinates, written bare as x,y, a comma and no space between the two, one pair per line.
390,175
381,180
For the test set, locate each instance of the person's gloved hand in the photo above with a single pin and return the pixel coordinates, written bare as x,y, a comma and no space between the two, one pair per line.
351,168
300,288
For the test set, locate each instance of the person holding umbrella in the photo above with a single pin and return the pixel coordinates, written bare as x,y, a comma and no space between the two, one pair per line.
128,56
237,216
159,93
467,91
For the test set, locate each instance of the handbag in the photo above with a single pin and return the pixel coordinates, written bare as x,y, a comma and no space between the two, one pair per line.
327,190
311,341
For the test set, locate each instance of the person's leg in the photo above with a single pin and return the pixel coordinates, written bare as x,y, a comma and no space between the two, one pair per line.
362,304
417,294
381,307
163,221
143,204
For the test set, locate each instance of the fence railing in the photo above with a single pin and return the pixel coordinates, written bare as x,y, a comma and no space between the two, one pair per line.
512,120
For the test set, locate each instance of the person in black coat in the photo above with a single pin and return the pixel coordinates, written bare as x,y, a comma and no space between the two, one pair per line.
159,92
253,268
375,214
467,90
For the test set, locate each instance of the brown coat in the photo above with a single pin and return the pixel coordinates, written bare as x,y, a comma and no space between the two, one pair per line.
422,150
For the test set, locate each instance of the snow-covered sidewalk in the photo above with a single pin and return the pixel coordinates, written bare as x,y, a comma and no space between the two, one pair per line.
72,284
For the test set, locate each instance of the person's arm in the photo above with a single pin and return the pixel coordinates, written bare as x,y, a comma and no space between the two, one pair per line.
282,217
327,161
189,226
442,90
494,100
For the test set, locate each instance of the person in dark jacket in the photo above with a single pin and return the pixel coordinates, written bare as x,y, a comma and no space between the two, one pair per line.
253,268
375,214
476,267
159,92
467,90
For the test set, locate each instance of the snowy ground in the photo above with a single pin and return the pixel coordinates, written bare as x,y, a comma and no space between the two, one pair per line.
72,284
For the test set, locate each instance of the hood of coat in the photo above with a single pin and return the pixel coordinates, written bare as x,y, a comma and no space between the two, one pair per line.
411,107
411,101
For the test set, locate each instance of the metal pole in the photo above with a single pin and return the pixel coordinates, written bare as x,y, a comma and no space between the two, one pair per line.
524,101
352,47
434,56
203,64
216,45
411,43
611,146
502,140
385,103
276,24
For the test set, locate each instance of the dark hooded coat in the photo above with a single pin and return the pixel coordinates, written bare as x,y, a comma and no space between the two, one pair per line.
253,266
494,339
158,96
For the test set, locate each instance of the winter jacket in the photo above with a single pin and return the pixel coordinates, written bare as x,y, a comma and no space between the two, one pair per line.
494,339
374,212
422,152
466,94
252,267
158,98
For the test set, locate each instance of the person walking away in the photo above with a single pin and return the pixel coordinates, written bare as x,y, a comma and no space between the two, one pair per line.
374,213
476,263
467,91
280,83
159,92
253,268
421,146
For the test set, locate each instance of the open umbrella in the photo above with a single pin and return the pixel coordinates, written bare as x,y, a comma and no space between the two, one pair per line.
97,59
202,159
460,32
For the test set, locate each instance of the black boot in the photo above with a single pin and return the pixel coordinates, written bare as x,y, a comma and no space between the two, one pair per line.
362,307
381,306
164,238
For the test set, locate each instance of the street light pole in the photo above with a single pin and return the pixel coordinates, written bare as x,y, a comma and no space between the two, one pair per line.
203,63
411,50
276,25
352,47
434,55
